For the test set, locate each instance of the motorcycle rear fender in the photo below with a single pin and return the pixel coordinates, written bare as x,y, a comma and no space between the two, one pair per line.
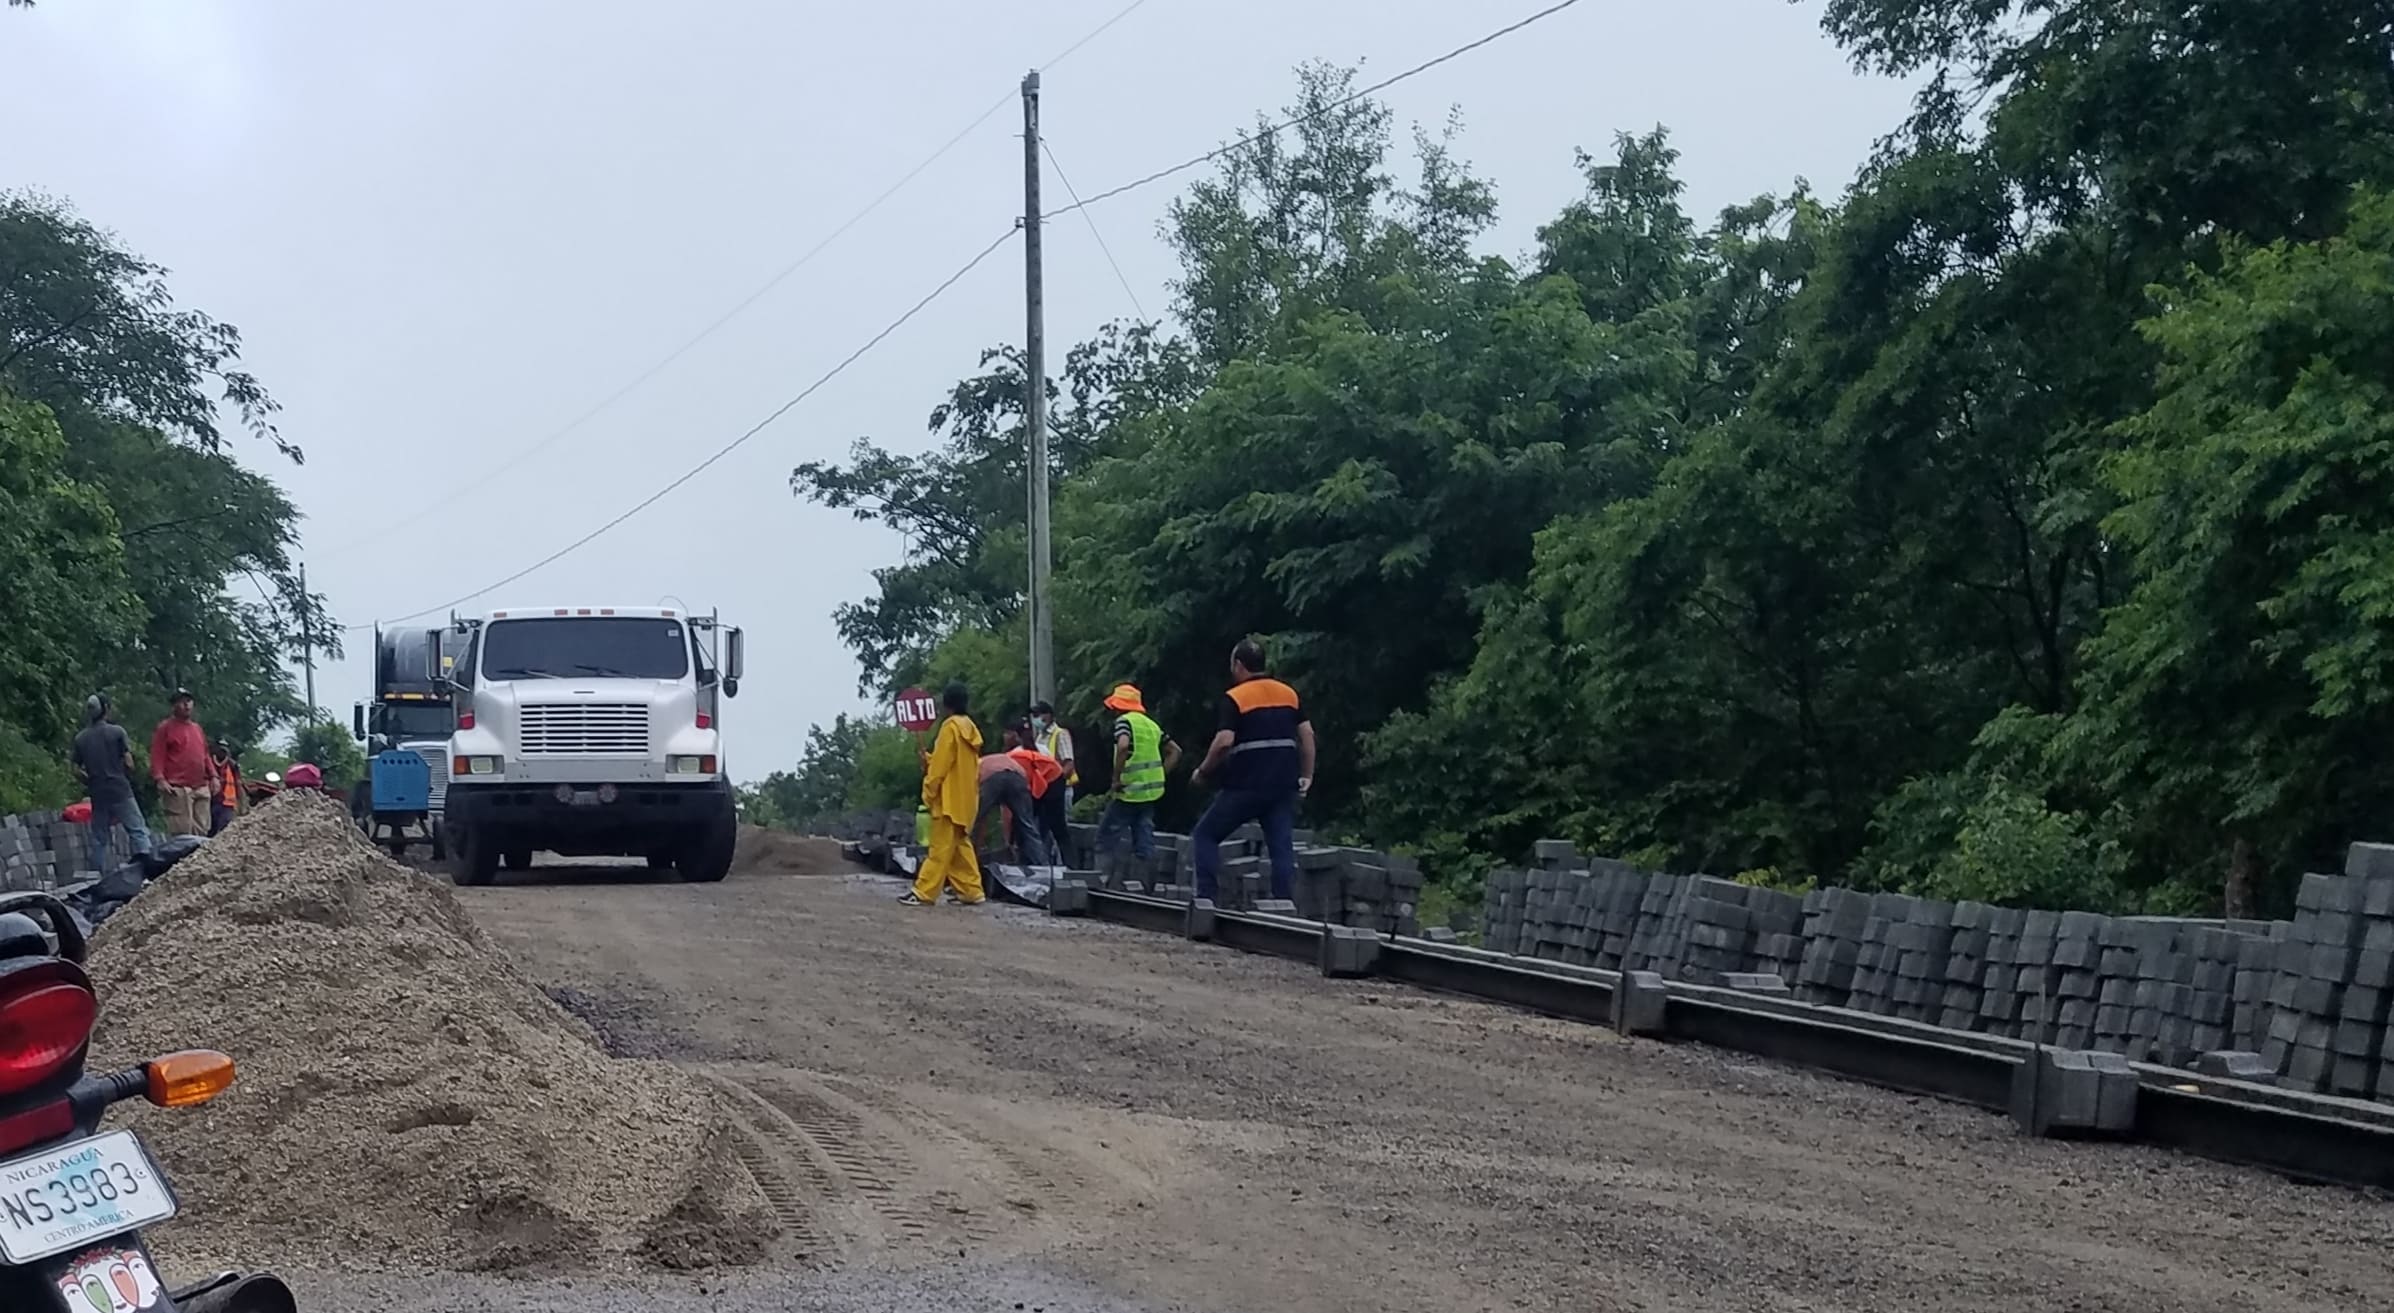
113,1264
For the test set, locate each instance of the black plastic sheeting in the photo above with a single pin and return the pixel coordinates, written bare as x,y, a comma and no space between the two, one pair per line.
96,899
1027,885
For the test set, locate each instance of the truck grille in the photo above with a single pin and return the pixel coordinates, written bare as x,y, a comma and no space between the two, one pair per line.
585,729
436,761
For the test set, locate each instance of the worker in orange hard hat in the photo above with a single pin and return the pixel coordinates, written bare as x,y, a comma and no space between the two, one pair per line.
1143,756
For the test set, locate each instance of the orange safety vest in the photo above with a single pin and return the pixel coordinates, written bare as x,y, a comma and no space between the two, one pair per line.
1042,768
228,784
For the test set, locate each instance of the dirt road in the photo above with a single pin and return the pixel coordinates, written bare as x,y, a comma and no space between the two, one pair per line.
989,1108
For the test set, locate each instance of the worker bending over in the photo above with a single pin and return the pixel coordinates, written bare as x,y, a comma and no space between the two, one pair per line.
1009,795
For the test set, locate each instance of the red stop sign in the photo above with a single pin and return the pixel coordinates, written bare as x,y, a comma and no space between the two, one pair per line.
917,710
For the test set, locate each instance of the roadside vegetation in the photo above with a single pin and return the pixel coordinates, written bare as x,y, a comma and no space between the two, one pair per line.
2012,525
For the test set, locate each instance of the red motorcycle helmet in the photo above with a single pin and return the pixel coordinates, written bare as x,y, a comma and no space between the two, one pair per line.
303,776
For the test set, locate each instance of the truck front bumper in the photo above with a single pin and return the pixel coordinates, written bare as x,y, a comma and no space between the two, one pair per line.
589,810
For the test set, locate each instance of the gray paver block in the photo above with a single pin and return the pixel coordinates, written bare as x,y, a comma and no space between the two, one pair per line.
2237,1064
1348,951
2074,1093
1639,1003
1068,898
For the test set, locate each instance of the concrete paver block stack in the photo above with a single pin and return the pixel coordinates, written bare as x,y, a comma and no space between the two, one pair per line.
1504,911
1834,920
2256,966
2314,965
2036,975
1620,889
1648,935
2076,980
42,850
1999,975
1963,997
2311,998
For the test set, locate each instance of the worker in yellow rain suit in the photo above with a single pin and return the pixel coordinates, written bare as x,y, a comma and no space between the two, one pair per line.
952,794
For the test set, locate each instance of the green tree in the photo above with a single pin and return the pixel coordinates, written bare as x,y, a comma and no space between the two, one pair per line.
960,508
66,605
328,747
136,385
2243,691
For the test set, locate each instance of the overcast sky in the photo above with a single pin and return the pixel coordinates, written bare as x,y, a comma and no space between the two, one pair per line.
448,229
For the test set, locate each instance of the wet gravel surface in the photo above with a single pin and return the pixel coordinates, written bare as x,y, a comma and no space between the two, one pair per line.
1126,1122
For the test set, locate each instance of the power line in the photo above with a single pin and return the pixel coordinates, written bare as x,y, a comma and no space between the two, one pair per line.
1092,222
1250,139
727,449
383,533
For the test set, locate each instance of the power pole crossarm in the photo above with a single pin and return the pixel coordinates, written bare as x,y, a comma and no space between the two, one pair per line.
1042,624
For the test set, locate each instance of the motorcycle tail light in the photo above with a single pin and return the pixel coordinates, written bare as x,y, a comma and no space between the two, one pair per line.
45,1020
189,1078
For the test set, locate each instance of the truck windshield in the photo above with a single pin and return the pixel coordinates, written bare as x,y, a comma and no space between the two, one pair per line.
580,647
411,722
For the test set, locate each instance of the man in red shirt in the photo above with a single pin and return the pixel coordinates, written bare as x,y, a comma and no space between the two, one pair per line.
182,768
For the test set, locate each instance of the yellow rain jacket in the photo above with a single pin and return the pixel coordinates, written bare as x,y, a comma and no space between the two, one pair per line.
952,780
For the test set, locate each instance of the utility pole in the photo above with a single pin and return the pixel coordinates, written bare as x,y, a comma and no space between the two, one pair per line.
307,639
1034,363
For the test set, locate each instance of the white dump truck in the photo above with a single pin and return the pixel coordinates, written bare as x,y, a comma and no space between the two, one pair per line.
591,732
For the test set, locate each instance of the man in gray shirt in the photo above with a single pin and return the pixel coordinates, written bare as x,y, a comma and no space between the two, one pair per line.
104,762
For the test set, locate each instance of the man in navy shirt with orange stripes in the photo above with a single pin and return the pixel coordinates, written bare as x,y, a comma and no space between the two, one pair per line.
1262,756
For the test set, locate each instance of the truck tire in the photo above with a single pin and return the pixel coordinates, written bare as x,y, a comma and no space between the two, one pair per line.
518,859
477,858
708,858
440,841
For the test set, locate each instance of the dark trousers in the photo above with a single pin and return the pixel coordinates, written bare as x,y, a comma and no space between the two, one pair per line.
1055,817
1013,792
1232,808
1134,819
220,817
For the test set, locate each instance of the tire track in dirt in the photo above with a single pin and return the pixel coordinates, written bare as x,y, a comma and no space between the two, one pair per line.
784,1167
854,1177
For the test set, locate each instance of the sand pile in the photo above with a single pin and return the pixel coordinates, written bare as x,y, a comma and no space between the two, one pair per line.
762,851
405,1097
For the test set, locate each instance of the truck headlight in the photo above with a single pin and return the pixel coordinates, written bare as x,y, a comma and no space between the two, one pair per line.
690,766
474,766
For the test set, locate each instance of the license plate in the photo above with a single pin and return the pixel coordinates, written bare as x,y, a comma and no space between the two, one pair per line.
53,1201
586,798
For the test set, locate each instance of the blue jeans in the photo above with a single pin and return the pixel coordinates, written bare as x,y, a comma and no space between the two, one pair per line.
1137,817
106,815
1232,808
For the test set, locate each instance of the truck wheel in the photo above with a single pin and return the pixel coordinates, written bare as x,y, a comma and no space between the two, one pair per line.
477,859
519,859
708,857
440,842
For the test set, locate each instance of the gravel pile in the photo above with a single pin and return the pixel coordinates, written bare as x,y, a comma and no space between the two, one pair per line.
406,1098
760,849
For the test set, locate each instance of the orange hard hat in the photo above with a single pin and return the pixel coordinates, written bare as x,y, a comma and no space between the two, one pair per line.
1125,697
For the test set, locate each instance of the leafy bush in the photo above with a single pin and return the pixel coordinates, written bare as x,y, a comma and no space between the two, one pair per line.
31,779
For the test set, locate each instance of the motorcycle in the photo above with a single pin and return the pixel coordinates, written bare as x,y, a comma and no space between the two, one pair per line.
74,1199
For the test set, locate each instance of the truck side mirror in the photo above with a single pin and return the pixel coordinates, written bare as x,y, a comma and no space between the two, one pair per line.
357,722
735,659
